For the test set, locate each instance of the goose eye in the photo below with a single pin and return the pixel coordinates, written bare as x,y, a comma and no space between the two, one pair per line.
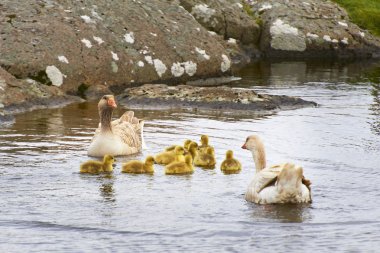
105,97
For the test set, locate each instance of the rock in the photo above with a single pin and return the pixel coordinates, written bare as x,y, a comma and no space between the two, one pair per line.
69,43
160,96
226,18
20,95
311,28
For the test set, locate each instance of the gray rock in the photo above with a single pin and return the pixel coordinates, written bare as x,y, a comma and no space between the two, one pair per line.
160,96
311,28
226,18
68,43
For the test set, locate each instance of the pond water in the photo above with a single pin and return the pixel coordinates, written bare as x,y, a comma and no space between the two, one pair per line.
46,205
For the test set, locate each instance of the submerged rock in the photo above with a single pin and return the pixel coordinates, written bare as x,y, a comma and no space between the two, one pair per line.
158,96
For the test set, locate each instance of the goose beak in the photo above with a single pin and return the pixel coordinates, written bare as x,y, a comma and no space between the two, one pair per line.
244,146
111,102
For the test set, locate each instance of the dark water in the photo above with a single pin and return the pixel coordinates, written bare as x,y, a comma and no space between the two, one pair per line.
45,205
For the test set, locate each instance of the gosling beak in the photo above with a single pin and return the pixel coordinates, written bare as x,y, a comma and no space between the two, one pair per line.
111,102
244,146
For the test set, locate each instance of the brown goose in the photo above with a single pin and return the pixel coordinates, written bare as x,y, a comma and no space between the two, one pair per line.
123,136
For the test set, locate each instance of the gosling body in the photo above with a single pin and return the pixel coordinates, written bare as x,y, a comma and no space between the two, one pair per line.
95,167
180,168
230,164
139,167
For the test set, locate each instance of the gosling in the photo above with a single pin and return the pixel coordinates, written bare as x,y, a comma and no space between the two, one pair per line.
204,144
177,155
180,168
230,164
139,167
95,167
185,145
205,160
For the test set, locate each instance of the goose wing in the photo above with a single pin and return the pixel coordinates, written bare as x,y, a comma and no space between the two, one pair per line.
129,129
267,177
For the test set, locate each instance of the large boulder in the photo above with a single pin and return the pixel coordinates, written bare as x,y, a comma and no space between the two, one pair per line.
74,44
311,28
226,18
20,95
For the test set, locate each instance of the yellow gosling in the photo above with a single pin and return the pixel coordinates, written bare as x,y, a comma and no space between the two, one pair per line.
205,160
170,156
230,164
180,168
185,145
95,167
139,167
204,144
193,149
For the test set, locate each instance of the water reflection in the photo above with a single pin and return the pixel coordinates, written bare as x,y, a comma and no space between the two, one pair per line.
374,78
290,73
282,213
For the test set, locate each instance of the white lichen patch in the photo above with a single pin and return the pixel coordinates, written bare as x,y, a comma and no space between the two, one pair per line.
87,19
362,34
312,35
115,57
279,27
140,64
98,40
55,75
87,43
239,5
226,63
190,67
344,41
232,41
202,53
160,67
96,15
177,70
334,41
265,6
343,24
63,59
153,34
129,38
286,37
149,59
327,38
212,33
203,11
198,29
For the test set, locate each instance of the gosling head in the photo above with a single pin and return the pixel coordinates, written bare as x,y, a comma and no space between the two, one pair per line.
187,143
229,154
252,142
149,160
204,140
210,151
107,101
108,159
179,150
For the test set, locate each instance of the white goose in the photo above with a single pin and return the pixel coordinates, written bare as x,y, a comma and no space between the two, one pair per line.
123,136
282,183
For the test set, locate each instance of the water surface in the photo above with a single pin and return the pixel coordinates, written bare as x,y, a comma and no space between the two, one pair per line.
46,205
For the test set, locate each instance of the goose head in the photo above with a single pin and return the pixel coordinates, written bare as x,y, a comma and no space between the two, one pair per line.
179,150
107,101
252,143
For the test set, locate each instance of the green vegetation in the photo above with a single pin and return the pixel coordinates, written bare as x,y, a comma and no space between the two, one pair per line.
364,13
248,9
